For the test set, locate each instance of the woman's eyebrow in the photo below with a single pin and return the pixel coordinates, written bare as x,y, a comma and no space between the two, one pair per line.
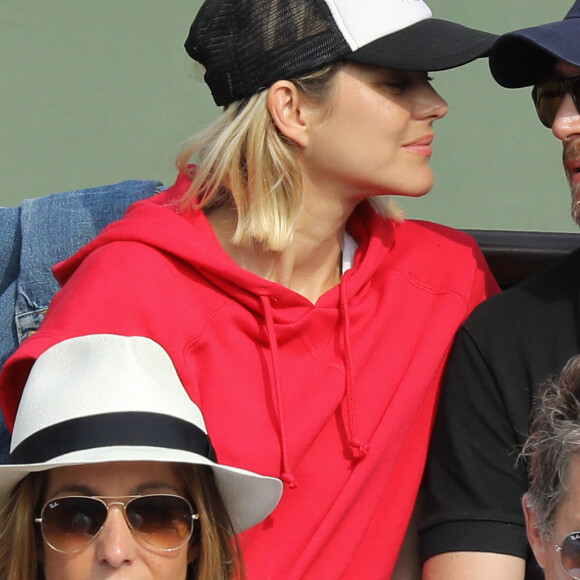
152,486
73,489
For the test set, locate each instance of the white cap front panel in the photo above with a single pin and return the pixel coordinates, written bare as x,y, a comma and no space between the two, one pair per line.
364,21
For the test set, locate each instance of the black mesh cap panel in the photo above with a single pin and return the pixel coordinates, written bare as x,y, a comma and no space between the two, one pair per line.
246,45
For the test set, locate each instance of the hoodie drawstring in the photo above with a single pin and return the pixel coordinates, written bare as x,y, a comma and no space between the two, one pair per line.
287,476
358,449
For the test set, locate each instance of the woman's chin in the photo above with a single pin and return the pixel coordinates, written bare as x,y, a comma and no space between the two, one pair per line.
413,192
416,188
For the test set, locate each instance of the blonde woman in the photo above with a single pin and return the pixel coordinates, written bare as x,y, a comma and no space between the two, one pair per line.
308,320
112,473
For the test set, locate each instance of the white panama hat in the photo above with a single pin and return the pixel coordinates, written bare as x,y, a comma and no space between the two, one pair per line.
103,398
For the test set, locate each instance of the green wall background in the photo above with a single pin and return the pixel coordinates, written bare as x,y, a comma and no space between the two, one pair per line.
98,92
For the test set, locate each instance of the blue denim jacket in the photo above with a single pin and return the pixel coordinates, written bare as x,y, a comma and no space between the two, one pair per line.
37,235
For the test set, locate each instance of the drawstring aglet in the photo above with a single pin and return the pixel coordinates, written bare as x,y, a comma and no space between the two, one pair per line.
289,480
359,450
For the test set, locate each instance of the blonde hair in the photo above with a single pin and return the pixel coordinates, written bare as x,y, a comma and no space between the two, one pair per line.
219,552
245,162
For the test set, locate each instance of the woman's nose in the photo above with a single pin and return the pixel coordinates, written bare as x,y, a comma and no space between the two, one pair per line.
116,546
431,104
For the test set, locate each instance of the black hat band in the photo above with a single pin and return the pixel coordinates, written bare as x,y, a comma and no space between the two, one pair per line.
112,430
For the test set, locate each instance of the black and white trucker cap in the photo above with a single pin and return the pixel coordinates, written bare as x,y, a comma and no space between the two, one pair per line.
247,45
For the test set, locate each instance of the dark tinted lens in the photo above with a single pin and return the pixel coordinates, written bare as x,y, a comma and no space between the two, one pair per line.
548,98
571,554
575,91
162,521
70,523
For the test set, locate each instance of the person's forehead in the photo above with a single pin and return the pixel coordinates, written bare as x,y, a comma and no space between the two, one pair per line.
564,69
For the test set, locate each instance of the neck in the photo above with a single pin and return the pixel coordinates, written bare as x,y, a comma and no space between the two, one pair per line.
310,266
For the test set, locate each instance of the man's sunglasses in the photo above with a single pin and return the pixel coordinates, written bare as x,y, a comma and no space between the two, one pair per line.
158,522
549,94
570,554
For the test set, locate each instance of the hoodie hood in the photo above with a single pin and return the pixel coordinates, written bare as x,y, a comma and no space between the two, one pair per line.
188,236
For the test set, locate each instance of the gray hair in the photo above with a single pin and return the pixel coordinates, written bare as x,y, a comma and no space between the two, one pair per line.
553,442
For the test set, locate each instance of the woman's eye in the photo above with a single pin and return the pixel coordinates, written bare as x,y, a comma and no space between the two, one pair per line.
398,85
402,84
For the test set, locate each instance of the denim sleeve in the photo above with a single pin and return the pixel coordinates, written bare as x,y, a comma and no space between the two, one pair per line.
54,228
10,246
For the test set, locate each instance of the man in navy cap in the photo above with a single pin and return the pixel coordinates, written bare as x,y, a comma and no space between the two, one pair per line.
474,526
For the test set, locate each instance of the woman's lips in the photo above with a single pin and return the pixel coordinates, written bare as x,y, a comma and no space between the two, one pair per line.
421,146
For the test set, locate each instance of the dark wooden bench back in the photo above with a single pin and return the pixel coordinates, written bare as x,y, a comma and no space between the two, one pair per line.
513,256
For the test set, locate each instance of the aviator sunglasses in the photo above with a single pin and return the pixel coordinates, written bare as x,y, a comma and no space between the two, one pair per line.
549,94
159,522
570,554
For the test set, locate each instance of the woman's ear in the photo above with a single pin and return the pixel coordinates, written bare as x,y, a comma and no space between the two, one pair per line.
39,549
535,539
289,111
193,552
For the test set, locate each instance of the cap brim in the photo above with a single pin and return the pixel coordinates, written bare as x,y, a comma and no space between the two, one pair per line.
428,45
248,496
523,57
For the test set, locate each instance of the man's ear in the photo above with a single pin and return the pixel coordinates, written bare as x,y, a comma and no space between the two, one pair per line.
535,539
289,111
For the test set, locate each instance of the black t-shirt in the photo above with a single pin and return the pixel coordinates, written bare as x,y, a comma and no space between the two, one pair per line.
508,346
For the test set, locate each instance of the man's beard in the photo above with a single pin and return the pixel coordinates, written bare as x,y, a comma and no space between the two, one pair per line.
572,151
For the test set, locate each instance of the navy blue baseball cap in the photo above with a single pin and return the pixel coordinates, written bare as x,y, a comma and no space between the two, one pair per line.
523,57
